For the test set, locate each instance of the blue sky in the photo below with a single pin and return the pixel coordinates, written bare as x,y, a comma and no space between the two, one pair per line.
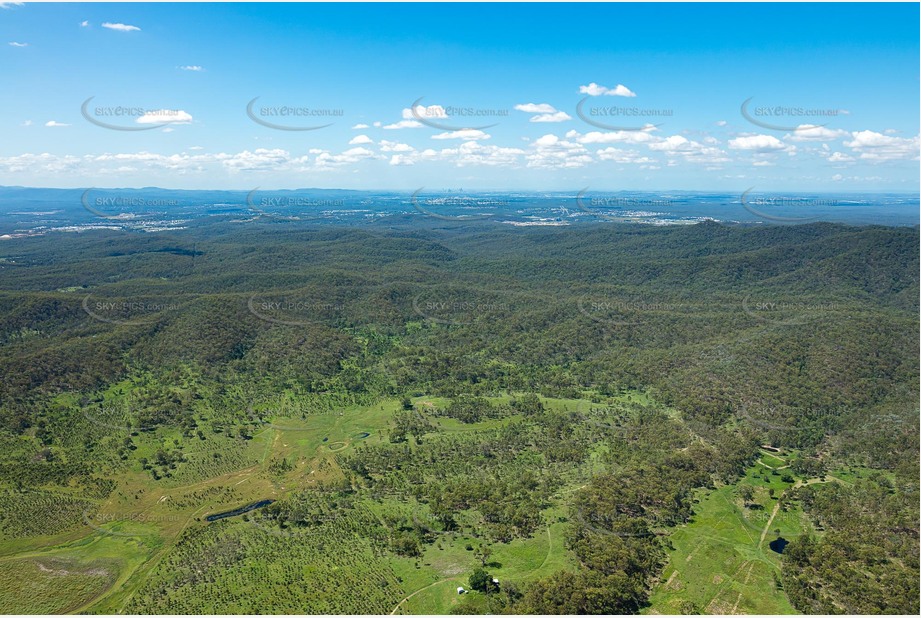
833,96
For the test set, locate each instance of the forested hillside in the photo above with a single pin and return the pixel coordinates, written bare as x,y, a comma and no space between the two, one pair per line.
444,398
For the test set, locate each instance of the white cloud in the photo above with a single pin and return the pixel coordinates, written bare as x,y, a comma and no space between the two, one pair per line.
84,24
399,159
260,159
191,67
475,153
873,146
547,140
18,44
549,151
545,111
9,5
120,27
839,157
352,155
623,156
387,146
535,108
672,144
361,139
165,116
607,137
55,123
594,90
40,163
360,125
196,147
721,123
27,123
468,134
403,124
690,150
757,143
813,133
554,117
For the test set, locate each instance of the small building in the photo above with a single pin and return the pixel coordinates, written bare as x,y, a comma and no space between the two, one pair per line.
495,581
460,590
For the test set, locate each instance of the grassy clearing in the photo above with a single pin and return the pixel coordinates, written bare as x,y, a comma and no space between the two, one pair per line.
721,562
72,576
772,461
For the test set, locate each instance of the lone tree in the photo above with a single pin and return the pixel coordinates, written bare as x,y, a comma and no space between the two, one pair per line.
481,581
747,493
483,552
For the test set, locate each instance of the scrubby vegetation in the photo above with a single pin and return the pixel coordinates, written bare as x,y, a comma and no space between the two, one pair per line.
569,411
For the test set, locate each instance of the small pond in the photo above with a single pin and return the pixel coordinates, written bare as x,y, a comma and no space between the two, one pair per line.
239,511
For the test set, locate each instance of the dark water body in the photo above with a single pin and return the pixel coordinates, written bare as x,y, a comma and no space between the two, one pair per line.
239,511
779,544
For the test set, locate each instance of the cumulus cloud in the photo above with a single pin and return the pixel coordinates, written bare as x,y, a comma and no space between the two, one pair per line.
192,67
361,139
594,90
55,123
84,24
261,159
873,146
165,116
554,117
18,44
352,155
839,157
41,163
120,27
813,133
475,153
535,108
549,151
258,160
618,155
545,112
468,134
360,125
757,143
403,124
387,146
606,137
399,159
690,150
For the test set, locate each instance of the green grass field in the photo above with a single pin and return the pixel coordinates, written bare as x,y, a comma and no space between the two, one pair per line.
722,562
448,564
